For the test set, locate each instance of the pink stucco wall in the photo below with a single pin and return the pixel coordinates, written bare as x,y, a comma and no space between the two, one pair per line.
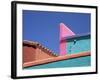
64,32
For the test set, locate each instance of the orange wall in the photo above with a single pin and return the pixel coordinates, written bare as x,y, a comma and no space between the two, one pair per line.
28,54
32,54
40,54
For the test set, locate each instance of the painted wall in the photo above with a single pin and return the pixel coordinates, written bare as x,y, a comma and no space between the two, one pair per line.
76,62
77,45
33,53
74,44
28,54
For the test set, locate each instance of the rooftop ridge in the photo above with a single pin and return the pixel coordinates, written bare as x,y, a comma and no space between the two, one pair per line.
32,43
76,36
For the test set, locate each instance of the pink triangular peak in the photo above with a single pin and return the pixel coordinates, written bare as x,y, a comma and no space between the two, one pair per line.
64,32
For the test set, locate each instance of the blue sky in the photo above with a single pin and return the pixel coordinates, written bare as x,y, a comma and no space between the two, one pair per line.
43,26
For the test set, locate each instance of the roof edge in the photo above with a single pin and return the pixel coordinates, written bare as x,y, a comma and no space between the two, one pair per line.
75,36
36,44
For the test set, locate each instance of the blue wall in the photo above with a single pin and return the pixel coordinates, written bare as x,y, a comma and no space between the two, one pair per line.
77,45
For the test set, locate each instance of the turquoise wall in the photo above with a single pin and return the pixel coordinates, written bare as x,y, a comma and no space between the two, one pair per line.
78,45
76,62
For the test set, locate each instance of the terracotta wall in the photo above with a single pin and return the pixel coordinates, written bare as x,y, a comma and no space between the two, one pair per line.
28,54
41,54
31,54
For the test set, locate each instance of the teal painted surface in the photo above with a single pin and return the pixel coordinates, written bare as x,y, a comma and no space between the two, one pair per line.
76,62
78,45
